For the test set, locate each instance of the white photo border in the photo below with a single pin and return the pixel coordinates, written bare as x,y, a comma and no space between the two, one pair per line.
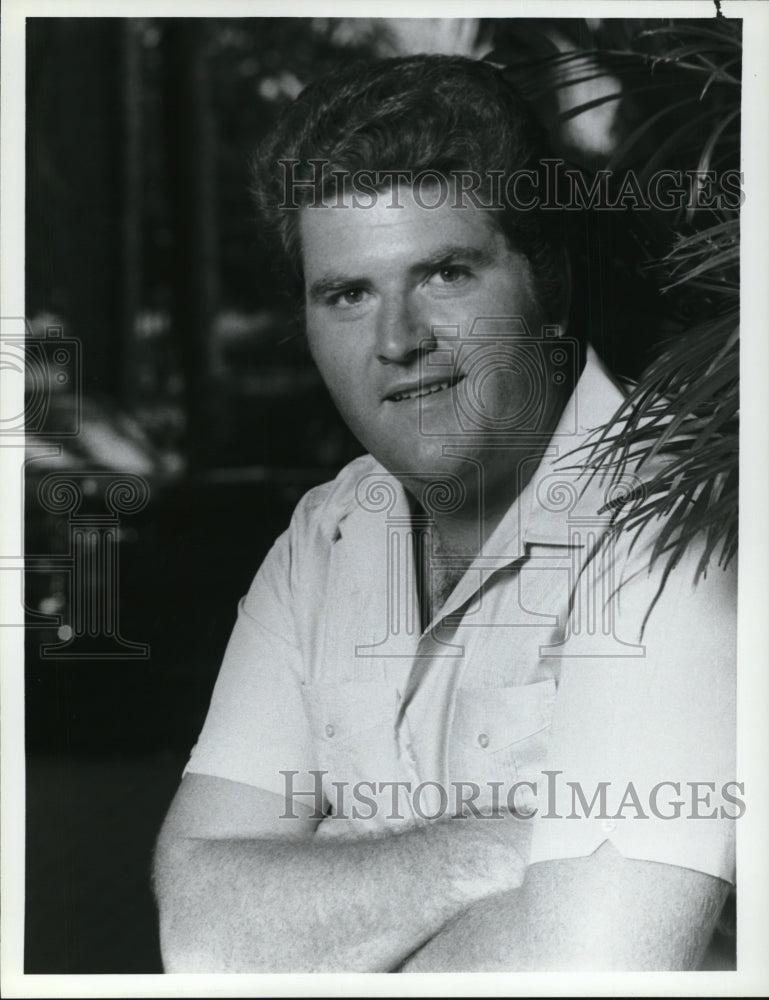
752,975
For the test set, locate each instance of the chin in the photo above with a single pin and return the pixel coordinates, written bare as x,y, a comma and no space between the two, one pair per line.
419,469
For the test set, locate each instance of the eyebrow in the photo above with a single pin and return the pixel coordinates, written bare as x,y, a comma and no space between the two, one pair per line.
442,256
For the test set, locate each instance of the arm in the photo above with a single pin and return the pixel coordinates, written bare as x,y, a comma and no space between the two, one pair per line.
649,896
604,912
240,889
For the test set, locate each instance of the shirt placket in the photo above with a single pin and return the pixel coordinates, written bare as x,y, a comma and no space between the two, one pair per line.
425,717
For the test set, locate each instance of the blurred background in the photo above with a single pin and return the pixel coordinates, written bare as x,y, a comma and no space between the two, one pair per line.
161,357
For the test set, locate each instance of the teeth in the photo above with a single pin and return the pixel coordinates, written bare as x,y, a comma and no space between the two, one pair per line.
426,391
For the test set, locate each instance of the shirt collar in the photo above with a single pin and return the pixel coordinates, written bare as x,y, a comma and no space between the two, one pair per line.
563,493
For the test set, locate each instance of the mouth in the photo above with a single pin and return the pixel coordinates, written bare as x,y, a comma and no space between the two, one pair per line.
420,390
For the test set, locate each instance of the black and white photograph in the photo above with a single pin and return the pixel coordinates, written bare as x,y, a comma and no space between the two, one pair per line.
377,440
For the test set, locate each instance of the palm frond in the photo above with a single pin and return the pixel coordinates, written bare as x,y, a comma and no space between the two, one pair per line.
680,424
678,428
714,250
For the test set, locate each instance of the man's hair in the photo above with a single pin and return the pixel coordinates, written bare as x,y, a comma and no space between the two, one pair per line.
437,113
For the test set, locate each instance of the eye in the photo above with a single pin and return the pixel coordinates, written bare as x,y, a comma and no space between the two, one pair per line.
347,298
449,274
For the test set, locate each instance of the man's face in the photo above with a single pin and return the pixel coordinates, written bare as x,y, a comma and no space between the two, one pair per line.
387,292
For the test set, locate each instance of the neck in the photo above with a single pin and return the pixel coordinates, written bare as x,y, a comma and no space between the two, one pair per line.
463,530
447,543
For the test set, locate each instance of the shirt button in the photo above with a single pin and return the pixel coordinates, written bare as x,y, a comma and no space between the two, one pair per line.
330,730
483,740
608,825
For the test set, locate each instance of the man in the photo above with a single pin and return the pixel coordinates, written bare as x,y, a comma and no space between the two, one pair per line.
458,726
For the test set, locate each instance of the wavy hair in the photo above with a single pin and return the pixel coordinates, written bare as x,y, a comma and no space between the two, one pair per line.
424,113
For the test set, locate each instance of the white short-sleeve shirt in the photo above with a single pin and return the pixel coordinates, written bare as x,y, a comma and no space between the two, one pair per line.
542,685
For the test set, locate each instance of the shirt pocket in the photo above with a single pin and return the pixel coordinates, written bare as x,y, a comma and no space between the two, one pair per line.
501,734
353,728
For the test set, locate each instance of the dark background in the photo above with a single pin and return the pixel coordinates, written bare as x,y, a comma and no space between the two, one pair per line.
142,249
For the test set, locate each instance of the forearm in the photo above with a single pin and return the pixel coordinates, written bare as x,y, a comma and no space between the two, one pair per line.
480,939
314,905
600,913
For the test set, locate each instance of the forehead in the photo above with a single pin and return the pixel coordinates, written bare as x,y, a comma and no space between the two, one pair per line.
394,225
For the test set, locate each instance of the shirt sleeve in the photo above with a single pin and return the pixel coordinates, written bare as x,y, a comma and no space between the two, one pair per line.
642,750
256,724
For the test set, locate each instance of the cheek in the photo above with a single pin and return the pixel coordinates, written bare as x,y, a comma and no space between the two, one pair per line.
514,295
520,303
333,363
321,344
339,367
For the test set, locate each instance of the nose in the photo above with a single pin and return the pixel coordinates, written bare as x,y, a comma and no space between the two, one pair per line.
403,331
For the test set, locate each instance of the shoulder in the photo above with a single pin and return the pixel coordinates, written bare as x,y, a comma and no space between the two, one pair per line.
300,555
690,585
321,511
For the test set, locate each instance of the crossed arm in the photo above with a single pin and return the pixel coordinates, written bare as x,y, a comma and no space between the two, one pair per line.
241,890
